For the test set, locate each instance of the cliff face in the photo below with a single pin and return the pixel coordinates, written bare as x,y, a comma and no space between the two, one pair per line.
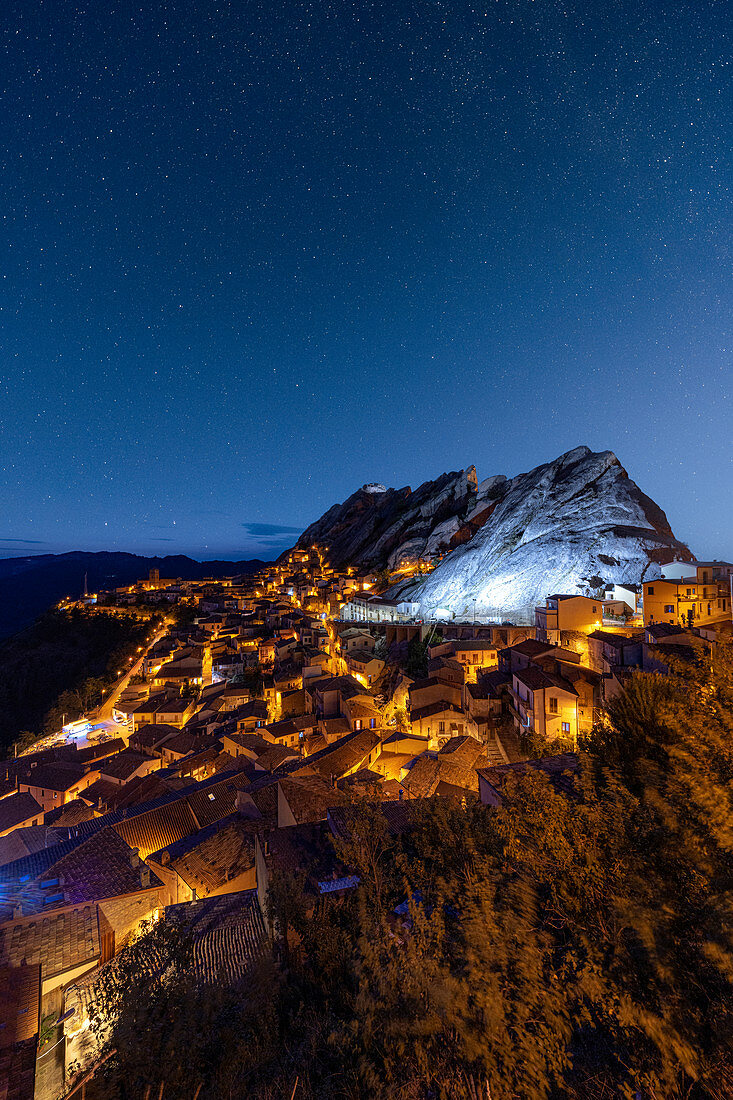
377,530
566,526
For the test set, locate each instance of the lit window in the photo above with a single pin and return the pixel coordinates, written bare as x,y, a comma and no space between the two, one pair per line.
566,727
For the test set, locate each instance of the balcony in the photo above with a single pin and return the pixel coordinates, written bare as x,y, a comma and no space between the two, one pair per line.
521,710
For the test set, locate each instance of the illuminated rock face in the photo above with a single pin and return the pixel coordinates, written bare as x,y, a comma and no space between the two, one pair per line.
566,526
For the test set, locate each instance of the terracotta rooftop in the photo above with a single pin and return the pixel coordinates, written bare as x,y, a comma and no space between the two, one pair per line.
122,766
101,867
462,750
276,755
19,1003
363,708
535,679
211,858
57,942
58,776
151,736
158,827
99,751
218,800
335,726
345,755
528,648
142,788
17,808
559,769
228,933
617,641
309,795
181,744
71,813
434,708
22,842
251,741
103,792
19,1018
428,772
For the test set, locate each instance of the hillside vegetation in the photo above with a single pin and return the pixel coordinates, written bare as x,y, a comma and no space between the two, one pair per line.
59,666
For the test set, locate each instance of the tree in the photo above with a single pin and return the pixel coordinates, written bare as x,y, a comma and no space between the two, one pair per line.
366,846
417,659
402,721
165,1029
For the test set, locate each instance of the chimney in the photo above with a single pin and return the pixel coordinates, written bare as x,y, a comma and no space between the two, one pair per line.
134,857
144,876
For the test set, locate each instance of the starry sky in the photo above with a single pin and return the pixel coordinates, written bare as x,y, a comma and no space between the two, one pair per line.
255,254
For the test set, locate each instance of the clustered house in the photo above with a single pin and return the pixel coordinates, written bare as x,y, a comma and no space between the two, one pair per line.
260,713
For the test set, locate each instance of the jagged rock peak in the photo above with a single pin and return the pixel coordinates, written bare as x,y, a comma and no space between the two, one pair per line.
565,526
377,530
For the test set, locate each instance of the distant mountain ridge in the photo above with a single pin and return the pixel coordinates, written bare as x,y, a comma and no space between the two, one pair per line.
566,526
29,585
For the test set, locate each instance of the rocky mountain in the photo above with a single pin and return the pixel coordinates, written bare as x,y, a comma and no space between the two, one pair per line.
378,528
566,526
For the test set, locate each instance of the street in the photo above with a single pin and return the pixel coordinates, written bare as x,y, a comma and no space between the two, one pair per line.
101,720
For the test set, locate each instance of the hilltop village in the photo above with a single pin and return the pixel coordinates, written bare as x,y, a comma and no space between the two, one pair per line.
263,708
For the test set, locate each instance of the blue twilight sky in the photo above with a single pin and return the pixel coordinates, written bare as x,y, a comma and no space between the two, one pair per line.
255,254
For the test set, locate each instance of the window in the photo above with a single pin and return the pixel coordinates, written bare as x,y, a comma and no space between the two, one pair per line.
595,609
441,727
668,609
650,590
357,723
566,727
475,658
372,723
552,705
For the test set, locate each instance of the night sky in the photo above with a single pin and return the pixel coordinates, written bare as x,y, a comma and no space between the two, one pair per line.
256,254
